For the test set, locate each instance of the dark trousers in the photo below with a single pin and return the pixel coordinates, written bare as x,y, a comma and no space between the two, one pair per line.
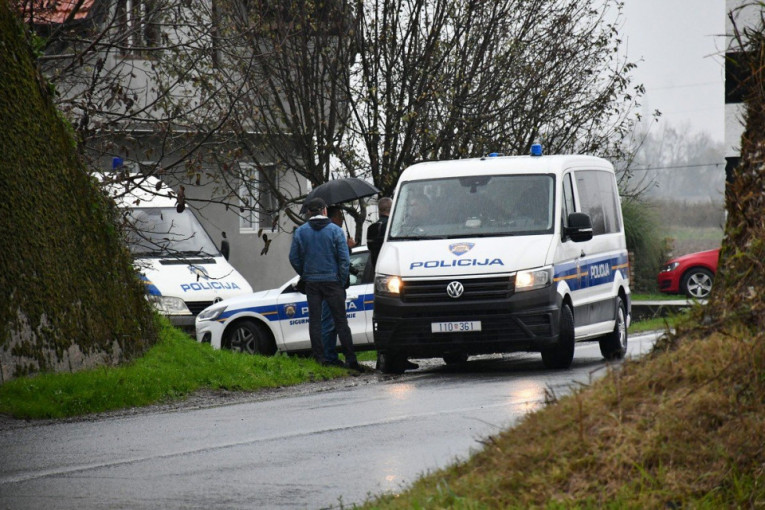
334,295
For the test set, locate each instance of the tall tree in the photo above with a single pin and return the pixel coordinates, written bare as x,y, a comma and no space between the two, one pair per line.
246,91
740,282
366,88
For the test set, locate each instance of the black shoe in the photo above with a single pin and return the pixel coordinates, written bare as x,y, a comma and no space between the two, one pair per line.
353,365
409,365
333,363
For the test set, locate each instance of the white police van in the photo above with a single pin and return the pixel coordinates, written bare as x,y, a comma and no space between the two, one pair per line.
183,269
502,254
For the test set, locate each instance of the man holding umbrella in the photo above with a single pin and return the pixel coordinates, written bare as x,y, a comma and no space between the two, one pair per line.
319,254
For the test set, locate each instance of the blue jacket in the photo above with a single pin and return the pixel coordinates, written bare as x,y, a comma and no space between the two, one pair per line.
319,251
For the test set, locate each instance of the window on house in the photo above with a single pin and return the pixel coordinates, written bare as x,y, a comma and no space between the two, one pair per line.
138,22
259,204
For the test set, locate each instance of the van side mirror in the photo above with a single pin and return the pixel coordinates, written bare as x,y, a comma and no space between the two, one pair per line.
225,248
579,227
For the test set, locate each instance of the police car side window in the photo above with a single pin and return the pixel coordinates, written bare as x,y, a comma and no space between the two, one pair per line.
597,195
358,268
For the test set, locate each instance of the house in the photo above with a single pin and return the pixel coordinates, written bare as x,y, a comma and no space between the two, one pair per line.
140,81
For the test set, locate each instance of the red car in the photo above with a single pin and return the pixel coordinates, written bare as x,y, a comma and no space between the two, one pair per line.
690,274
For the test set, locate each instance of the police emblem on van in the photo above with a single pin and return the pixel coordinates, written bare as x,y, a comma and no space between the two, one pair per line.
460,248
200,272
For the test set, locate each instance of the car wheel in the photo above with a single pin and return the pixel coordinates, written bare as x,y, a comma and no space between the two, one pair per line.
697,283
455,358
561,354
249,337
391,363
613,346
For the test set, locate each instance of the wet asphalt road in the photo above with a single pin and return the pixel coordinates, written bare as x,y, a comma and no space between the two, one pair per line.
312,450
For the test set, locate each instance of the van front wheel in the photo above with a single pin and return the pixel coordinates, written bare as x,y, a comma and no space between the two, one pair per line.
613,346
561,354
391,363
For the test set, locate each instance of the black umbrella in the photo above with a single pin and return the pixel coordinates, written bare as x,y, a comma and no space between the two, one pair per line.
341,190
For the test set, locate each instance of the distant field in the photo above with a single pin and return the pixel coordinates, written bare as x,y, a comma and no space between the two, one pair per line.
693,239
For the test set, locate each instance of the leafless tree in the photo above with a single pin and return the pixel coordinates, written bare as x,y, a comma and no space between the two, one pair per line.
323,89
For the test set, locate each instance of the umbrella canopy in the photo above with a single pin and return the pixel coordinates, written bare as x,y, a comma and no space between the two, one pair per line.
341,190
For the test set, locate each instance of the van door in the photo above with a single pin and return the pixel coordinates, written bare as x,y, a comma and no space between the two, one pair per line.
568,254
598,197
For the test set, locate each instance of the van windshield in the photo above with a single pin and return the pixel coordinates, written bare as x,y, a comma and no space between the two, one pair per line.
164,232
474,206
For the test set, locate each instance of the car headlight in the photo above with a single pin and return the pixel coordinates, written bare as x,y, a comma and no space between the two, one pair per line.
388,285
210,313
670,267
533,279
168,305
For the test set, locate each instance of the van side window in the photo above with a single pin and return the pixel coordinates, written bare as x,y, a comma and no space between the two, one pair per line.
568,199
598,198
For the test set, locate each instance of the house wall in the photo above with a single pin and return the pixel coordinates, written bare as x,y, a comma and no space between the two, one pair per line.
746,14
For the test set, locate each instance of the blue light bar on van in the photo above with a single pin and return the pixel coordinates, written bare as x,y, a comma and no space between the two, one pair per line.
493,154
536,149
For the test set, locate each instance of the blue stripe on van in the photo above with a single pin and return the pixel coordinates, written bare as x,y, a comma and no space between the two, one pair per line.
151,289
592,271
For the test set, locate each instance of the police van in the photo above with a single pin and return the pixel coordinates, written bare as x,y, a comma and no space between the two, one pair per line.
183,269
501,254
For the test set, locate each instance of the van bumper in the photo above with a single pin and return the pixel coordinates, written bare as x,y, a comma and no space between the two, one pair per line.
527,321
182,322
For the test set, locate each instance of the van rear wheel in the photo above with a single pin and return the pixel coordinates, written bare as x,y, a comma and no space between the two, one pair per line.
249,337
561,354
613,346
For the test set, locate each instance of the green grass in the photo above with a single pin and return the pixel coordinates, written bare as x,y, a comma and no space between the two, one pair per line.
174,368
657,324
656,297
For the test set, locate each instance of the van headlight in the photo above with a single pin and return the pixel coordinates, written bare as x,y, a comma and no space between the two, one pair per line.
388,285
210,313
533,279
168,305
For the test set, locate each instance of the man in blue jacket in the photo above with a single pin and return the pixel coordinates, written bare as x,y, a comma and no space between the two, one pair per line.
319,254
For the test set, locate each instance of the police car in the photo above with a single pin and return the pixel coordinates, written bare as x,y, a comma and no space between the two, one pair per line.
277,319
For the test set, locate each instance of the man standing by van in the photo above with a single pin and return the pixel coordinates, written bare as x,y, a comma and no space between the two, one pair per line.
376,231
319,254
328,331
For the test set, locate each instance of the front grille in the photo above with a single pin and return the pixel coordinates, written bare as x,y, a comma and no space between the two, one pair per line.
434,291
197,306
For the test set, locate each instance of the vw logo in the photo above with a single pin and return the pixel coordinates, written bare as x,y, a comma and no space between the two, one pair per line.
455,290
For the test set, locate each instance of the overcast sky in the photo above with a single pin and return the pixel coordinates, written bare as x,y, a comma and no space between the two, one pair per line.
680,44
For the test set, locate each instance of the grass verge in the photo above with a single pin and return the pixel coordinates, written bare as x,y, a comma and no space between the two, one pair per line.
174,368
682,428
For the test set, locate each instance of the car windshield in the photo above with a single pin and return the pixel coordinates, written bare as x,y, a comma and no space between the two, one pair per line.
474,206
164,232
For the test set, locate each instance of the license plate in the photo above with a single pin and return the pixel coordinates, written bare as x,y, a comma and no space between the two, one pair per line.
455,327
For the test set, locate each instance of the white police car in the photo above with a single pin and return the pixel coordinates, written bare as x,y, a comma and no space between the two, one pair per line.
277,319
